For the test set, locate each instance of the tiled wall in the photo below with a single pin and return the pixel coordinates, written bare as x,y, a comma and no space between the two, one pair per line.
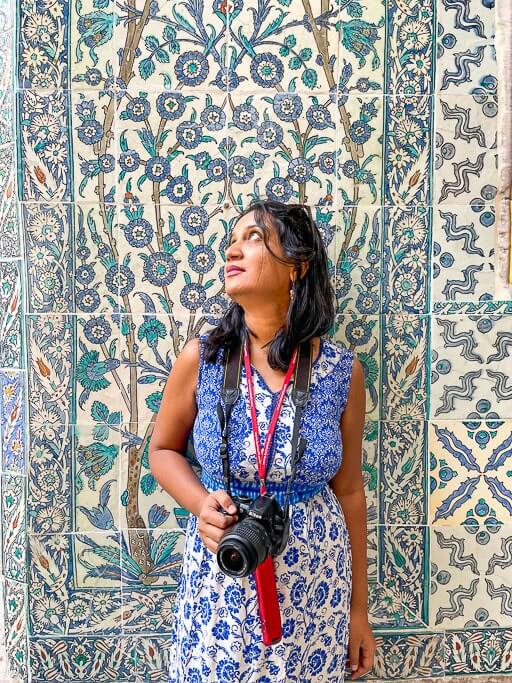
141,129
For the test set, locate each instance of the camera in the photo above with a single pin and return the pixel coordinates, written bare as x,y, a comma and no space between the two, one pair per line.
262,532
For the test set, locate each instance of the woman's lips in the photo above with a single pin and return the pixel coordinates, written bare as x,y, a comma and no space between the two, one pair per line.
234,271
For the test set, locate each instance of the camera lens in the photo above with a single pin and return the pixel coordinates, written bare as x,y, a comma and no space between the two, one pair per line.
243,548
236,560
232,560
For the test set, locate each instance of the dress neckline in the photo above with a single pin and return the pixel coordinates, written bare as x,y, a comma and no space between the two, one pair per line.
255,371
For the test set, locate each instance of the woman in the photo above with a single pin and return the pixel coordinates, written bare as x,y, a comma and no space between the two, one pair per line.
277,277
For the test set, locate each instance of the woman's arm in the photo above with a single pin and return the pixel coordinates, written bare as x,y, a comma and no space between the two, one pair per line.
348,487
174,421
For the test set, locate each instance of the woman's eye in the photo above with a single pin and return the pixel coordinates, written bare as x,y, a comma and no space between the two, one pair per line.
254,233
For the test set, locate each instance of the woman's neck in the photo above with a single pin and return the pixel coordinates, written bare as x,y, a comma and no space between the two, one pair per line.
263,326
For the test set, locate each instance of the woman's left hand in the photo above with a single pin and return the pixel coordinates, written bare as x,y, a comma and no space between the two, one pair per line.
361,645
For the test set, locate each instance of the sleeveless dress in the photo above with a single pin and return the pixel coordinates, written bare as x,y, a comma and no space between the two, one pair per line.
216,634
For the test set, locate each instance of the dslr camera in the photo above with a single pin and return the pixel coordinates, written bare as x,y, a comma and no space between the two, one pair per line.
262,531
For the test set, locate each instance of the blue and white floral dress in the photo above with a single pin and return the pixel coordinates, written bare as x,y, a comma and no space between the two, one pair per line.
216,630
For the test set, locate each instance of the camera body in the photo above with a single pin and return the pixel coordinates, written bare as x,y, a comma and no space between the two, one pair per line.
261,532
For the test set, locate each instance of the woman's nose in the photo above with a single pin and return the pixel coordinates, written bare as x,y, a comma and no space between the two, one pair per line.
233,251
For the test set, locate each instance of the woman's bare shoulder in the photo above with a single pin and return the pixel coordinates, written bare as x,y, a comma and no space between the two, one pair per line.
189,357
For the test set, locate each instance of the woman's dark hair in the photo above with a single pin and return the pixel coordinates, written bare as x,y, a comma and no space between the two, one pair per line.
311,312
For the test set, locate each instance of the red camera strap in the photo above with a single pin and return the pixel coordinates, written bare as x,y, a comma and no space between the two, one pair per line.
262,455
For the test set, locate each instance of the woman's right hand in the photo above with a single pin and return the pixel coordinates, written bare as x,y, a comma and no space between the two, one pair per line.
213,523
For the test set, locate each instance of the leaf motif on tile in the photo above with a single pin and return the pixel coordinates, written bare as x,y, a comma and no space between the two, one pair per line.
457,448
467,233
456,598
502,344
499,491
454,501
463,19
463,130
456,548
503,561
461,170
502,389
504,593
463,392
500,455
463,62
464,339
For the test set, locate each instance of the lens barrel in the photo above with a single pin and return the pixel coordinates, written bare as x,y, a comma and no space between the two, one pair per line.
245,546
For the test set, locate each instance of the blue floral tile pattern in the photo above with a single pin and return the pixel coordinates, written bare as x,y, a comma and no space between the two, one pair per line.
11,307
12,419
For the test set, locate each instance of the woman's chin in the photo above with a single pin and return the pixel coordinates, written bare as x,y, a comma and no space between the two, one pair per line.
233,290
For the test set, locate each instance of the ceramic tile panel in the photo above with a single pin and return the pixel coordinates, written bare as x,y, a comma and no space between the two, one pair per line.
406,259
469,375
467,23
98,272
466,68
99,375
166,552
407,150
129,658
9,236
96,452
49,489
474,307
49,339
92,115
144,504
486,651
410,48
358,260
403,555
7,38
361,334
403,477
281,146
11,313
92,25
362,46
44,146
168,250
160,47
470,566
404,338
409,656
13,507
10,240
15,614
172,148
290,46
469,472
12,420
43,45
387,611
372,551
359,155
463,251
75,584
465,159
48,257
370,468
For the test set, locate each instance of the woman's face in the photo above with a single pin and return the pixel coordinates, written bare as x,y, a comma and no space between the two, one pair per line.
251,271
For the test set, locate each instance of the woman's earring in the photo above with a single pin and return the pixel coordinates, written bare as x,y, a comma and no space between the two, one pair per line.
292,292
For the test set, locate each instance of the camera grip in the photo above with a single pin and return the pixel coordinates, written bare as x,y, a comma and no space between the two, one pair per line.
268,603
